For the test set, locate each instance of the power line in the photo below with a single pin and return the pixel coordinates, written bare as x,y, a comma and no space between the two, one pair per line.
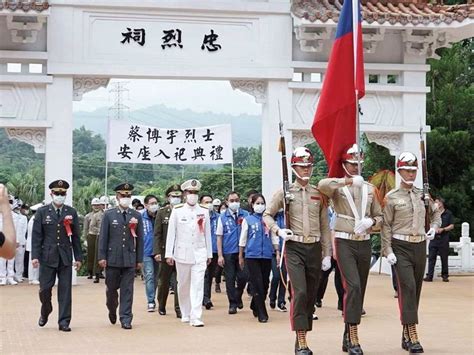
117,110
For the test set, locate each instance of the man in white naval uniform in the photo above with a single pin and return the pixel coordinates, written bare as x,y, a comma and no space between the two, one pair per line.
188,243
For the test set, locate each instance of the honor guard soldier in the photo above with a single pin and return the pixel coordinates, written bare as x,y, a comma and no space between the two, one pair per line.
404,244
307,244
357,209
121,253
56,237
189,246
166,272
91,231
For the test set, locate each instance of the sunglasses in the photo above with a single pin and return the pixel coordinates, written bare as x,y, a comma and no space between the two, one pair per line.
58,193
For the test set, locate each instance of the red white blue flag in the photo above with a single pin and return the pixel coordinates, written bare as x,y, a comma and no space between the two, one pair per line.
334,125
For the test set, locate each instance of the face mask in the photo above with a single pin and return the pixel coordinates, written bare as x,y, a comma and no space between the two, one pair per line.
259,208
125,202
192,199
153,208
175,200
234,206
59,200
210,207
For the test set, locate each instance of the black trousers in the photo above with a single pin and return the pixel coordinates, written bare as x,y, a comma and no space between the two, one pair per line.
303,264
210,273
441,248
47,278
167,278
120,278
235,279
259,277
277,287
323,283
353,259
411,262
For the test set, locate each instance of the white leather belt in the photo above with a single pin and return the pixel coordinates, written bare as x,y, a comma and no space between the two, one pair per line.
409,238
303,239
351,236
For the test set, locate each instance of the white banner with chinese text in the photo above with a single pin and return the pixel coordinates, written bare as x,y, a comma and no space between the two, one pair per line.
136,143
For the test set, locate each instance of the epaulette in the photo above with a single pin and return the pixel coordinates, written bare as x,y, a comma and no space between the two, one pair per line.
179,205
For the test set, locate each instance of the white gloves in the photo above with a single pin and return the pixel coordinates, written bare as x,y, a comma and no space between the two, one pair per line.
430,234
357,181
285,233
326,264
362,225
392,259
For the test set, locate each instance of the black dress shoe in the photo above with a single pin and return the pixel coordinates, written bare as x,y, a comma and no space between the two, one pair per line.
415,348
272,304
263,320
240,305
232,310
428,279
64,328
126,326
303,351
445,279
218,288
162,311
208,305
178,313
96,281
42,321
89,277
101,276
113,318
319,304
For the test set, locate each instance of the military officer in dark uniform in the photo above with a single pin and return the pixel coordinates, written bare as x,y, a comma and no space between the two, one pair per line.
55,238
120,253
166,271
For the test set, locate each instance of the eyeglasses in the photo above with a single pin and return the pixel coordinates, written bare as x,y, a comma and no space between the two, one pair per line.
59,193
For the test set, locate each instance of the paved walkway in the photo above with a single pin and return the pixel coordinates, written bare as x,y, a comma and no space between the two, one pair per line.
446,324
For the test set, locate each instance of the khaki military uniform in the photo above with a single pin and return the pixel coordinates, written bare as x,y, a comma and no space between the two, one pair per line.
353,251
166,273
403,233
90,243
310,224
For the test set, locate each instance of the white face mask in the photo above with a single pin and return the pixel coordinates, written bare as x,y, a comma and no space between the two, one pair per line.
259,208
234,206
192,199
153,208
125,202
59,200
210,207
175,200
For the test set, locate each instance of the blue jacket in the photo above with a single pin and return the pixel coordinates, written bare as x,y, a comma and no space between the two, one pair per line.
214,219
259,241
148,225
231,230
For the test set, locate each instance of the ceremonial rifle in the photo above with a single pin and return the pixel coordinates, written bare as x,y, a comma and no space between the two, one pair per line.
286,189
426,185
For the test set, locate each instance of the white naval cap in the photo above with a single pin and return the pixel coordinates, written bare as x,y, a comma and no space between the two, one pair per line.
216,202
191,185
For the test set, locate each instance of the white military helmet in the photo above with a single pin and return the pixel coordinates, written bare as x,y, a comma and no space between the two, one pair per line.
216,202
407,161
351,155
302,156
95,201
104,200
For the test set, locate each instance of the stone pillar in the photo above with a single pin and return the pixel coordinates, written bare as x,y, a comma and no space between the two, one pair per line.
58,147
277,91
466,248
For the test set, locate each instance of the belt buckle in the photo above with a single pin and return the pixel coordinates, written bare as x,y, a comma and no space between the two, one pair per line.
358,237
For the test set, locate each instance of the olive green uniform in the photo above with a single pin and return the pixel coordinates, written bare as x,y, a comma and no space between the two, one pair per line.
353,251
94,230
403,233
303,254
166,272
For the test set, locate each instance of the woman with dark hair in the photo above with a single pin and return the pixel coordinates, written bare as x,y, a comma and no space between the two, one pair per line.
257,245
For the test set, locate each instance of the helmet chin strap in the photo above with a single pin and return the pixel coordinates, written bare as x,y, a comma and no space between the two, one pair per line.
344,167
408,182
306,178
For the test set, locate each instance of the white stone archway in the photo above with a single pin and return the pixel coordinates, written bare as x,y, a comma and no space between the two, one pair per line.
275,50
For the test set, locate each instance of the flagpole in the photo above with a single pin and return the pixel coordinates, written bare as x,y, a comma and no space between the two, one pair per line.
355,37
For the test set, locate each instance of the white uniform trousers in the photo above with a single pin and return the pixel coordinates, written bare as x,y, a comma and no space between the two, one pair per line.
19,262
33,272
190,279
6,268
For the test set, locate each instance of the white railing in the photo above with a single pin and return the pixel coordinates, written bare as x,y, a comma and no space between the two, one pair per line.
464,260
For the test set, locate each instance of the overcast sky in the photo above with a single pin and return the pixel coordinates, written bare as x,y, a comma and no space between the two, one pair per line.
196,95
